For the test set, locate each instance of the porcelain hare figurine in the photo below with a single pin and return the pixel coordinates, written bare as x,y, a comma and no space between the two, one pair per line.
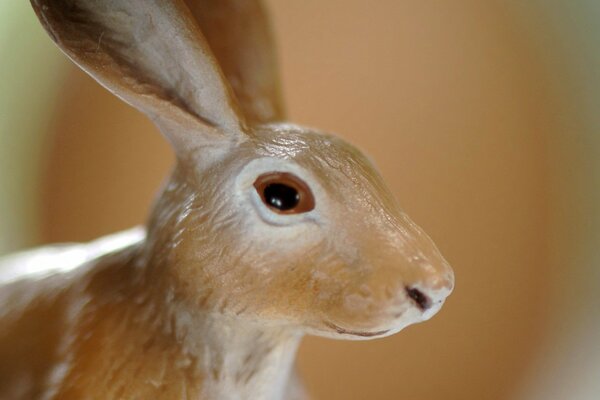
265,231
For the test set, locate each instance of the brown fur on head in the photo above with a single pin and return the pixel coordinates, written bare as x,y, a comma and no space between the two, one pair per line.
340,269
349,265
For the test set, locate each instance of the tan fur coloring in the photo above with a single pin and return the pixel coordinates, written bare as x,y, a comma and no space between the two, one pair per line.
211,300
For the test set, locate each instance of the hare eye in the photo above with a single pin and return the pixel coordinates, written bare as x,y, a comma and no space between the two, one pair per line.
284,193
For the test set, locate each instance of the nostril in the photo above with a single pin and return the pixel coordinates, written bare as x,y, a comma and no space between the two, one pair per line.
420,299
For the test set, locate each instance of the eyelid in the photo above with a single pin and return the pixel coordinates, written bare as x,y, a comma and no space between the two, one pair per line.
307,200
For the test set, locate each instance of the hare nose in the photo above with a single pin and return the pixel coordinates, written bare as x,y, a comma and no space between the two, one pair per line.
419,298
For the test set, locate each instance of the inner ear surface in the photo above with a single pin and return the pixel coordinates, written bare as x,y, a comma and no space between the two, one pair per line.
239,36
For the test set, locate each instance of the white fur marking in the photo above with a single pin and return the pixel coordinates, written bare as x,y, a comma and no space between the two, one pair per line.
45,261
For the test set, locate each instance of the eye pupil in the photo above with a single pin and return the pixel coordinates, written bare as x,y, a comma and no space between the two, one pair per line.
284,193
281,196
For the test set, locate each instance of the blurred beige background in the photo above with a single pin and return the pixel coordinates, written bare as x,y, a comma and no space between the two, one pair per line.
458,105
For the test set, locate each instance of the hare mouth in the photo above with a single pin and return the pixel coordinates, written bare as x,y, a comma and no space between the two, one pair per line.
343,331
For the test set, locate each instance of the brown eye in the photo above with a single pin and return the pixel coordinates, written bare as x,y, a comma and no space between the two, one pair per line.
284,193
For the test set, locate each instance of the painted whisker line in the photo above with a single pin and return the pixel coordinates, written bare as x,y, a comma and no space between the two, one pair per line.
354,333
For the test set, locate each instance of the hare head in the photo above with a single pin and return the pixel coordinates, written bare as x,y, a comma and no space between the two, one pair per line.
260,218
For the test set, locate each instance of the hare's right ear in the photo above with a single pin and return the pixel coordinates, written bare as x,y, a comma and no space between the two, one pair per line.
151,54
239,35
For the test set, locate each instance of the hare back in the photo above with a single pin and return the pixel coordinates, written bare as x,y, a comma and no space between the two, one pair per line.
62,258
36,293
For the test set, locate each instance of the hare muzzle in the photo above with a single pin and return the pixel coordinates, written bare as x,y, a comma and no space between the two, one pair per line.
355,266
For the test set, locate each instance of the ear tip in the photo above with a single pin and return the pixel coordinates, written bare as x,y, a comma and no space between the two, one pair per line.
35,4
40,7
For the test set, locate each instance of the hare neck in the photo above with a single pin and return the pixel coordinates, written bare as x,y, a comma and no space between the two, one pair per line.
237,358
164,345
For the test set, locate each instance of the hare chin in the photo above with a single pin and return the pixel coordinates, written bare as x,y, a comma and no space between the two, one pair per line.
332,330
395,324
357,334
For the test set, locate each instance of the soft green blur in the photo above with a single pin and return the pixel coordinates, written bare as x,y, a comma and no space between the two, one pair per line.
567,34
30,76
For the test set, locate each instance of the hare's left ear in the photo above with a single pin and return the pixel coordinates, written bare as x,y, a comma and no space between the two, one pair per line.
154,55
239,36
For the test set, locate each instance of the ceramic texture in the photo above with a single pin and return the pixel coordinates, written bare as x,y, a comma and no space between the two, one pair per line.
212,298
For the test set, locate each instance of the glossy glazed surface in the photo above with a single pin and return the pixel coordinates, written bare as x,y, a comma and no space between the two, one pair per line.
214,300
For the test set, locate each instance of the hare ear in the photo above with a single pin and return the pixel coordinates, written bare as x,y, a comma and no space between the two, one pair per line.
239,35
151,54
